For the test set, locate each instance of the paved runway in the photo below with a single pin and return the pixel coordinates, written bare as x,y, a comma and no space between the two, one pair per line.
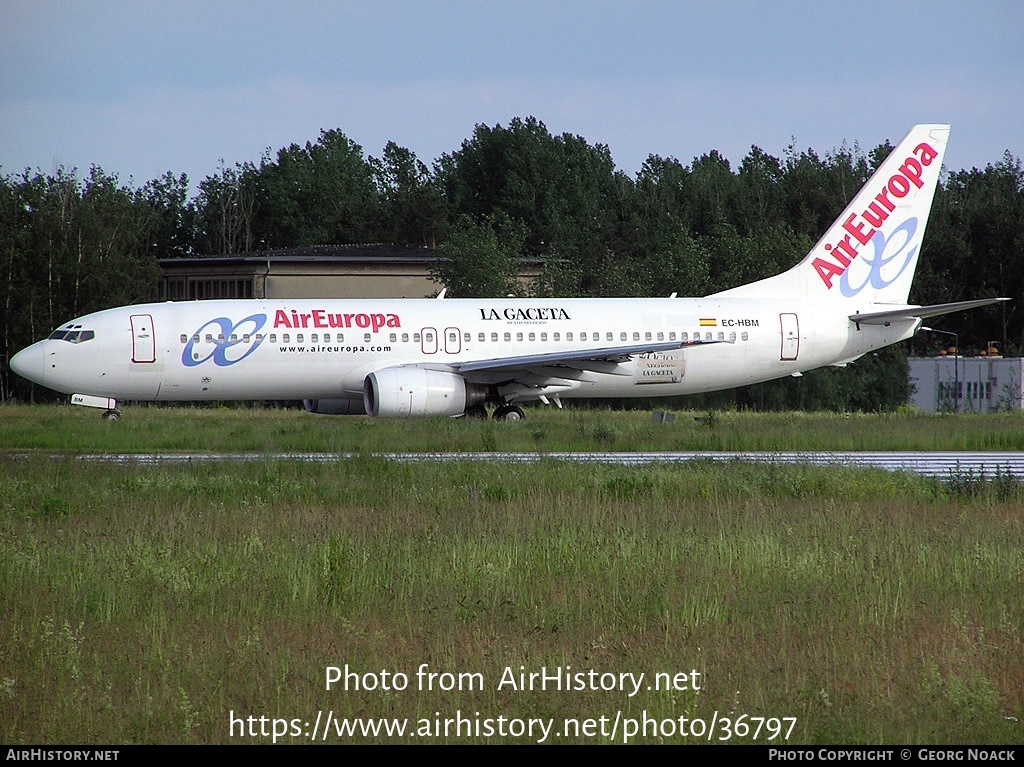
934,464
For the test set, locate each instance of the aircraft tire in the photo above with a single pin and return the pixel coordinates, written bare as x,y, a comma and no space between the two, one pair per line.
509,413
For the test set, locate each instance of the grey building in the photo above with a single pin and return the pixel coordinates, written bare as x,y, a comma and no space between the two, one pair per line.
966,384
357,271
325,271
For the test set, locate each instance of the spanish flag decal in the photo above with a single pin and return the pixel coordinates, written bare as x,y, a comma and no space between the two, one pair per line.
706,322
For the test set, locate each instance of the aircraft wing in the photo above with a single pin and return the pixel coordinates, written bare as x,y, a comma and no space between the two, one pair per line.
599,360
920,312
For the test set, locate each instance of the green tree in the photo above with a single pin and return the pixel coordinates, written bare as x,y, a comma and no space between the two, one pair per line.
562,189
413,209
168,216
226,209
320,194
480,260
816,189
759,204
70,246
974,247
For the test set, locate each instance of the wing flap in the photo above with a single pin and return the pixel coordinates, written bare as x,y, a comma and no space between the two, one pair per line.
580,359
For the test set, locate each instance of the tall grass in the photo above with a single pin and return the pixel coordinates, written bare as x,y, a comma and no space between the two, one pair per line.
184,429
145,604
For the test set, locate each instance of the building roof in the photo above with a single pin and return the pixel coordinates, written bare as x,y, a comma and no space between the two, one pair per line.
314,254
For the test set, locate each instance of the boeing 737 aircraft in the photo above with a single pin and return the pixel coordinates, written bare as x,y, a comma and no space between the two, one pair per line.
427,357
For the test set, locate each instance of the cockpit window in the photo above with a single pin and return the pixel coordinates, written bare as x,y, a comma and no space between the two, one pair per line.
72,335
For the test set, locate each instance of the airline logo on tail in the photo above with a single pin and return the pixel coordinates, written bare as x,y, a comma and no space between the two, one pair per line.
893,253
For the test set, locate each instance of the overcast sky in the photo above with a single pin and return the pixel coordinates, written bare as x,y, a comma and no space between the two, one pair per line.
140,87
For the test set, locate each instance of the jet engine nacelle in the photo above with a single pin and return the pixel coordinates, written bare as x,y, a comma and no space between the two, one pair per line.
334,406
410,392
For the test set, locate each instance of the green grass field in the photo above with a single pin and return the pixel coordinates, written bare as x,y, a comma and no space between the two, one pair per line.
183,429
153,604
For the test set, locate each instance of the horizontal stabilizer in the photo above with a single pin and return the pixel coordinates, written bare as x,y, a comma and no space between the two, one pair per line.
920,312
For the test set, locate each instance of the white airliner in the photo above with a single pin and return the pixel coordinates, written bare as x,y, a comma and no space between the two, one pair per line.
429,357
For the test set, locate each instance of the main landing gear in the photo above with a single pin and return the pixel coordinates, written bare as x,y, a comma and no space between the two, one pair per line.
501,413
509,413
112,415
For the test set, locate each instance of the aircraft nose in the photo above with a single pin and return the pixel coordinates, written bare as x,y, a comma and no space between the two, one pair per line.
30,363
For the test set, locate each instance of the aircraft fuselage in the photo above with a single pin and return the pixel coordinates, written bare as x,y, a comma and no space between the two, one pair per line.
227,350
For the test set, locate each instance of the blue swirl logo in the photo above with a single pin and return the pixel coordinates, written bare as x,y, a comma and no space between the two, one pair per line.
898,243
227,336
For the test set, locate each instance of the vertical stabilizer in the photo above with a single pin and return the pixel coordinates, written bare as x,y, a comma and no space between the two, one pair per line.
869,254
